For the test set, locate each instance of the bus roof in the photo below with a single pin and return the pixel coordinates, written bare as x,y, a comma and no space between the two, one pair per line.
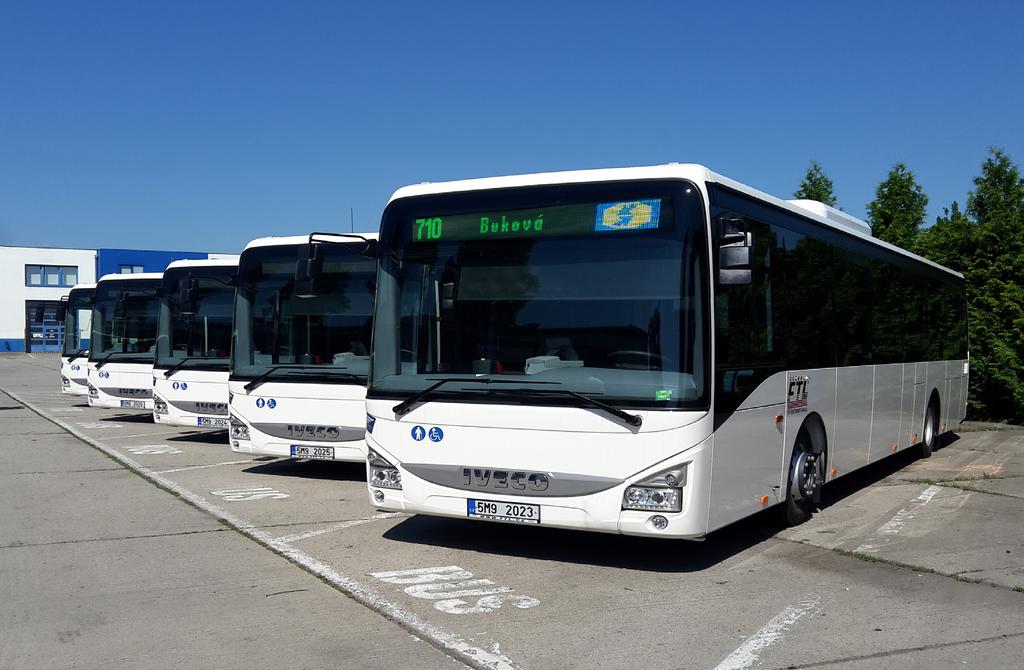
83,287
698,174
132,277
297,239
204,263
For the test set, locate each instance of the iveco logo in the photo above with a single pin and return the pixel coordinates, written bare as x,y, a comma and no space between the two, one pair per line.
504,479
314,432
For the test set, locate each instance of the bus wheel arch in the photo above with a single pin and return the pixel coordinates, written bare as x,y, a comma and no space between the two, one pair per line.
930,425
806,470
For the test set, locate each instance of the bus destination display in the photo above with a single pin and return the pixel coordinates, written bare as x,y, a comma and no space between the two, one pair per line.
582,219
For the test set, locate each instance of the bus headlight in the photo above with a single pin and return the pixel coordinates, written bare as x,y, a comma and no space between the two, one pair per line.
238,429
93,391
64,381
159,405
661,492
382,473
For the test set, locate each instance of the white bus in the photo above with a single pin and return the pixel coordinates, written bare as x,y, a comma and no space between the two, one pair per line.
124,316
193,343
75,311
648,351
301,348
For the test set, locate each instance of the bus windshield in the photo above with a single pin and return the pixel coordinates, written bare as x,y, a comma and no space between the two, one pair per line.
76,321
196,334
124,320
288,333
594,289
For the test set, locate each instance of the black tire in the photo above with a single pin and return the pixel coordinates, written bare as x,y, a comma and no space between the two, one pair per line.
930,430
798,507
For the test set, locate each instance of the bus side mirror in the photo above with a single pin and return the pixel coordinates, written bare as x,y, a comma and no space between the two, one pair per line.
307,273
372,249
187,297
62,311
735,252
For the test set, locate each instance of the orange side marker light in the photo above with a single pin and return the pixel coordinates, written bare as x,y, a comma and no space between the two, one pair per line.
764,500
778,419
913,440
834,473
893,447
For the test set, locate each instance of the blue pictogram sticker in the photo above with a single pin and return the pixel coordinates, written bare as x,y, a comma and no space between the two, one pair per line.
418,433
271,403
260,402
436,434
184,385
175,385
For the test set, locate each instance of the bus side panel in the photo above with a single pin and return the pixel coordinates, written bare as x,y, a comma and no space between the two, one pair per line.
888,405
849,446
907,428
748,447
954,377
916,418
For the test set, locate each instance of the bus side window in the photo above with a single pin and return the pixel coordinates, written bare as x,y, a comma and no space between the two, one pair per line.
747,324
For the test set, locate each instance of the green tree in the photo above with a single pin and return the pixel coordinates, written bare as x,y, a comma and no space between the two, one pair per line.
986,244
898,210
816,186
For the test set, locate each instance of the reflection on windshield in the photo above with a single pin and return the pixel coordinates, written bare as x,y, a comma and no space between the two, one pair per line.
202,328
77,321
124,319
328,332
620,318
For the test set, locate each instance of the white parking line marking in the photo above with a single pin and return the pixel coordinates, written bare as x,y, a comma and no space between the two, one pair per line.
153,449
449,584
127,437
200,467
894,525
250,493
338,526
364,594
749,652
99,425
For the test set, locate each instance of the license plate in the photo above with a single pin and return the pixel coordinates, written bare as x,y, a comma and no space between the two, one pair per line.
211,422
322,453
503,511
133,404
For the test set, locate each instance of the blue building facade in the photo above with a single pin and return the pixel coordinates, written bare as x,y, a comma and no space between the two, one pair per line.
122,261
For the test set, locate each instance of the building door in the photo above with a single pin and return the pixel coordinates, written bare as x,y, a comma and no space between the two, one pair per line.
42,330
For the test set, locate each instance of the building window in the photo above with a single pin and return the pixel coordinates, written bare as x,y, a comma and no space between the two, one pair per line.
51,275
132,269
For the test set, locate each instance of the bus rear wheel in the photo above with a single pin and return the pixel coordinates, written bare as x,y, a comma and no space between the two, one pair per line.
930,430
806,476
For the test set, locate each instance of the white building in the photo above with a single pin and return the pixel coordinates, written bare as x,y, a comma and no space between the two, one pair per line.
34,279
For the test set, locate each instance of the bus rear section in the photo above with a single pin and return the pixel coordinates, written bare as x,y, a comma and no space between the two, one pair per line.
77,312
190,371
123,335
303,318
541,356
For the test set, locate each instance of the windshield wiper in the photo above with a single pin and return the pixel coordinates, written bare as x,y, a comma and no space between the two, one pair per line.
77,354
103,361
404,407
634,420
256,382
180,364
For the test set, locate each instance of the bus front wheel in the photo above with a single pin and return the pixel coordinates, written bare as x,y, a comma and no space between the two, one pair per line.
806,476
930,430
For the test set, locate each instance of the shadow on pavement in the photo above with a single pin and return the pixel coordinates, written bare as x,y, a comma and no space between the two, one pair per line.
130,418
290,467
203,437
633,553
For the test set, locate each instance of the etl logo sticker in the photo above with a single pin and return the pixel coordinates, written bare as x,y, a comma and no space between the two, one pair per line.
435,434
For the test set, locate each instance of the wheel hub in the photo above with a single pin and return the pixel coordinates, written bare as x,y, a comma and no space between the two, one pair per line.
806,476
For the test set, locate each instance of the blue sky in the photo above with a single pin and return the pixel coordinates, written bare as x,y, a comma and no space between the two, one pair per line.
201,125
